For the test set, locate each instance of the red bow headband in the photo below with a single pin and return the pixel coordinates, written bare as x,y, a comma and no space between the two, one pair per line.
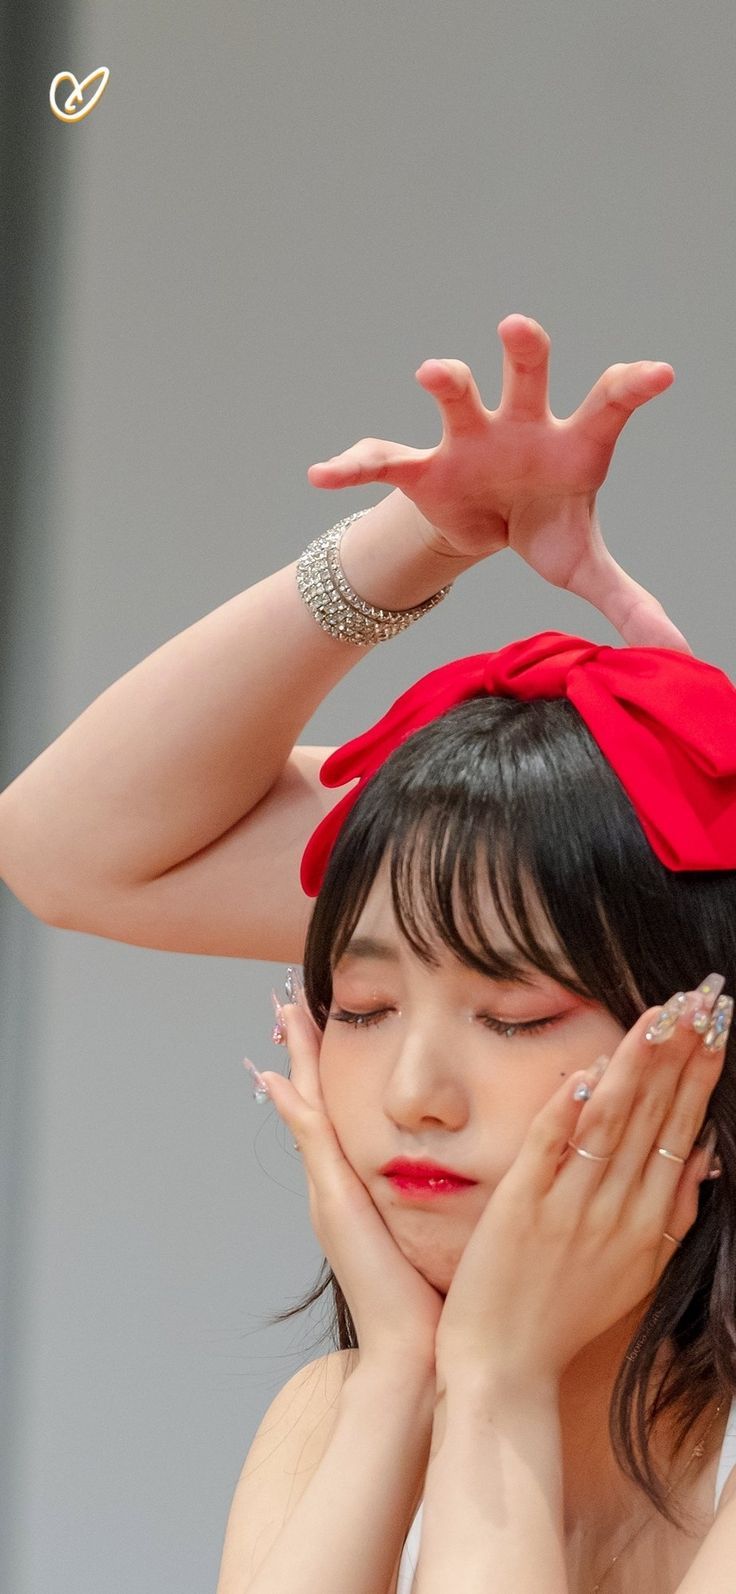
665,721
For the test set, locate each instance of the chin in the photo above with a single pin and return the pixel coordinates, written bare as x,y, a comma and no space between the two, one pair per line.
434,1258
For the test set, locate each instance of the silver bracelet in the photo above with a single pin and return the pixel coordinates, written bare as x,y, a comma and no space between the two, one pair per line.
336,607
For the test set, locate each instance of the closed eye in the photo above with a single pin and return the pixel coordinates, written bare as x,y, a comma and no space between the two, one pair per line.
499,1026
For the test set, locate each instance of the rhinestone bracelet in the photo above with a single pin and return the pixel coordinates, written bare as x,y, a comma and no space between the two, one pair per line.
336,607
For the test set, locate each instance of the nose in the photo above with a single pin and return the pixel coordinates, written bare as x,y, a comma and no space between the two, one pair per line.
426,1083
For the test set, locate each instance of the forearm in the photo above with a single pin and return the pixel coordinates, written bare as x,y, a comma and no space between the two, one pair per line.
493,1513
174,753
346,1533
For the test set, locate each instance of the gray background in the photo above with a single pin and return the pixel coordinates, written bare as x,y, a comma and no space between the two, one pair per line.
230,269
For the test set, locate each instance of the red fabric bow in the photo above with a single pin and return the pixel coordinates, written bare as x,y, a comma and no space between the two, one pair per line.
665,721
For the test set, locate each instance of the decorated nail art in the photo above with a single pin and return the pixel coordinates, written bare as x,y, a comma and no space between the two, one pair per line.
261,1091
584,1090
716,1036
666,1019
707,992
294,985
278,1033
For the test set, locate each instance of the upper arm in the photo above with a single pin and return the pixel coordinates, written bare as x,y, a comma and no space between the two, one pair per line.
239,897
287,1449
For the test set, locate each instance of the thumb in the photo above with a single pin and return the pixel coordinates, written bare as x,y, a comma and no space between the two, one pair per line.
634,612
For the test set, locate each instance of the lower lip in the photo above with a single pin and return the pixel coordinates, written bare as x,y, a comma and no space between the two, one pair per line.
423,1190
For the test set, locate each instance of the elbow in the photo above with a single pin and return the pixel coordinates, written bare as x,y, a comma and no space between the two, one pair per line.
41,903
23,872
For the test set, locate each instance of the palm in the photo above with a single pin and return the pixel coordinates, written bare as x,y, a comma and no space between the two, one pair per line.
518,476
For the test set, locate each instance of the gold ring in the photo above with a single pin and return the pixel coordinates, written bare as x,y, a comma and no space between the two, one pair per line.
671,1237
670,1155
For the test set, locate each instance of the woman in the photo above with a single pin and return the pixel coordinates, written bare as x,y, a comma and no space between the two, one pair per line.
491,1322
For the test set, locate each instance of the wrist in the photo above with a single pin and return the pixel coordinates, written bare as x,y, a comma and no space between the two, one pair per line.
387,1383
394,558
494,1389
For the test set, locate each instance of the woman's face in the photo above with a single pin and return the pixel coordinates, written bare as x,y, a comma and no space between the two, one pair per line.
433,1076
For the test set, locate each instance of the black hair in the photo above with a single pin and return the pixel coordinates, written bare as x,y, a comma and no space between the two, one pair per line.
522,788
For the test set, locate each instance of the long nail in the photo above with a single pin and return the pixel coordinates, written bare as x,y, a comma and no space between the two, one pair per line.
261,1091
278,1033
708,990
662,1026
584,1090
294,986
717,1034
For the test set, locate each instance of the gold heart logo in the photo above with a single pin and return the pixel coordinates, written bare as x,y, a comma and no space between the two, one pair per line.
69,114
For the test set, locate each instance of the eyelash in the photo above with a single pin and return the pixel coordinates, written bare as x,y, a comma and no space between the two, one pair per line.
367,1020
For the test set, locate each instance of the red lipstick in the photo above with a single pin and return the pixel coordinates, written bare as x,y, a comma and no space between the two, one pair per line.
425,1178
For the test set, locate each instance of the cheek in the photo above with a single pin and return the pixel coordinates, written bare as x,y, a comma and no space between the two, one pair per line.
551,1060
595,1032
344,1085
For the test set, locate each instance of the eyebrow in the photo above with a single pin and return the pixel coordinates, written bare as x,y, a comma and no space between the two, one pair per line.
369,946
366,946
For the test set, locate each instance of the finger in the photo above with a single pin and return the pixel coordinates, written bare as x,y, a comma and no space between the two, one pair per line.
314,1137
537,1164
685,1209
526,347
453,386
654,1120
635,613
648,626
298,1099
688,1110
621,389
303,1039
373,459
621,1122
640,618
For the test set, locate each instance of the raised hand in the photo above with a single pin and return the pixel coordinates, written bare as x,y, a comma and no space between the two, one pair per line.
519,476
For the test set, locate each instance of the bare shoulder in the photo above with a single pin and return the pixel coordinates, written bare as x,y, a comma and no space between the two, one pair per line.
287,1449
304,1412
314,1388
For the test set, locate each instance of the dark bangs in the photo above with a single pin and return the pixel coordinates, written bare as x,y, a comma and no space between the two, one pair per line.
515,796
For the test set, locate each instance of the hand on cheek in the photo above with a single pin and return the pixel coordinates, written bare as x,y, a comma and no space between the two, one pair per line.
573,1237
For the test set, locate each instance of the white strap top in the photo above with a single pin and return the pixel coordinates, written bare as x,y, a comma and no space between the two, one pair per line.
728,1453
410,1553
